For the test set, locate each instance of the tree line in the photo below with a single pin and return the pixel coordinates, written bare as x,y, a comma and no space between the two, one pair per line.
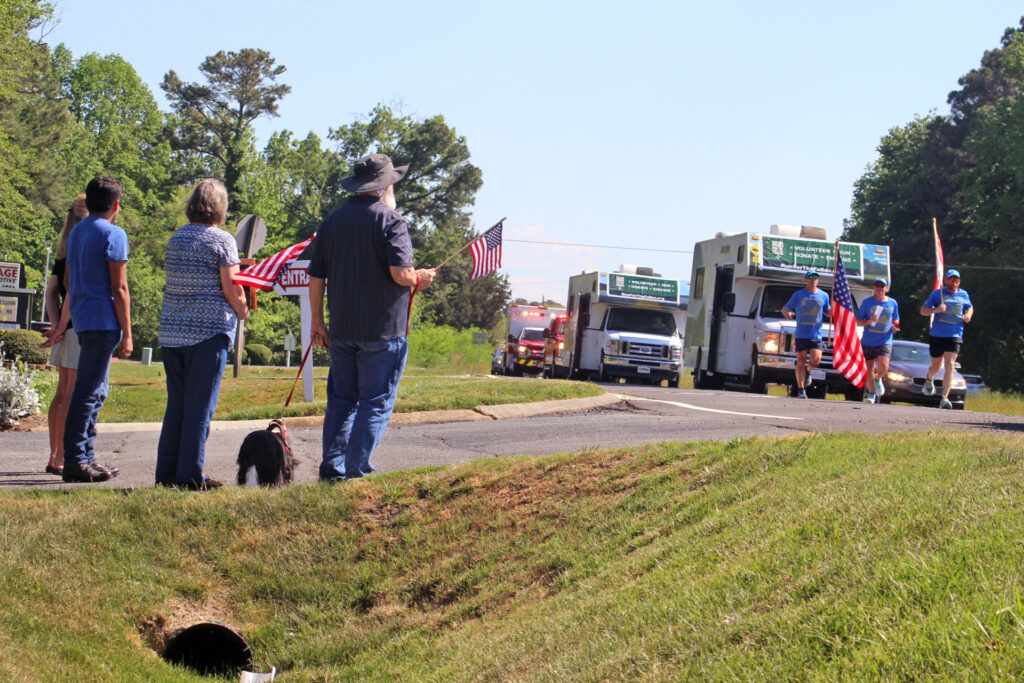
965,169
65,119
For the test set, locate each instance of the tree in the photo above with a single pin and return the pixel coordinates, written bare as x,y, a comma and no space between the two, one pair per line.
214,119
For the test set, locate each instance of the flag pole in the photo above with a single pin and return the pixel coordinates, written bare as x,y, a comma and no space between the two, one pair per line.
835,271
938,268
468,243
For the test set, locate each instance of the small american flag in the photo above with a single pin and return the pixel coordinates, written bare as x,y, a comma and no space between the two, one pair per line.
939,260
264,274
847,356
486,251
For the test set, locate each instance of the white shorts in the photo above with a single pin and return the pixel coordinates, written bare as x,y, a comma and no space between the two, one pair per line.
65,352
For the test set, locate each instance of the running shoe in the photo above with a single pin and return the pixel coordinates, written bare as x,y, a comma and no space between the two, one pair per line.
929,388
879,387
870,398
945,404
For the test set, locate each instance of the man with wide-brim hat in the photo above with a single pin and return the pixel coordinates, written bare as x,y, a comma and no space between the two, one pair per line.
363,255
951,308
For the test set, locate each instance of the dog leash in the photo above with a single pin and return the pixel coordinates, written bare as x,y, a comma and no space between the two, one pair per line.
288,400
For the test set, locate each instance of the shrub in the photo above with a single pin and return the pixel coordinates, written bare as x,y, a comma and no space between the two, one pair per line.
18,397
24,344
258,354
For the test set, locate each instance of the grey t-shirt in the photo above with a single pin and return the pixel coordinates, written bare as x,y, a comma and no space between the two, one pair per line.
354,249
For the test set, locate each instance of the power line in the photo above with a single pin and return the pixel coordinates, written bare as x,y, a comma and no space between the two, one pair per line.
602,246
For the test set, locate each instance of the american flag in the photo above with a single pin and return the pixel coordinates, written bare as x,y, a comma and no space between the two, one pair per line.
262,275
847,356
486,251
939,260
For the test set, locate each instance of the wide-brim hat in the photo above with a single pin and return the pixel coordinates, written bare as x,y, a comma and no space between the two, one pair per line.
373,172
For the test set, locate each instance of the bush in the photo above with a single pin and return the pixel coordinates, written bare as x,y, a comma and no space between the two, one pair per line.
258,354
18,397
24,344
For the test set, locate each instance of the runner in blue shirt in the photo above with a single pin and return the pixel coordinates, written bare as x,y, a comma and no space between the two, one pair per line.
807,306
951,307
880,316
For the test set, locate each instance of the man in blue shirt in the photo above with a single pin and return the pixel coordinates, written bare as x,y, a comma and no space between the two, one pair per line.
808,306
951,307
363,254
97,272
880,316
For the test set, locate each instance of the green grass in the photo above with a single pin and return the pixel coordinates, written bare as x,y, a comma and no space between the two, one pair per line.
839,557
138,393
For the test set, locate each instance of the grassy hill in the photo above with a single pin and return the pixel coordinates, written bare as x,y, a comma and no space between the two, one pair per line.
820,557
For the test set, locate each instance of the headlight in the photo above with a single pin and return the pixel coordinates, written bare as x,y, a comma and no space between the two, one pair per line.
611,348
674,352
959,383
523,351
770,342
561,345
897,377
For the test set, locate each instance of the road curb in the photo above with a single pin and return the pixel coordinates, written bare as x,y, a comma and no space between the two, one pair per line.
507,411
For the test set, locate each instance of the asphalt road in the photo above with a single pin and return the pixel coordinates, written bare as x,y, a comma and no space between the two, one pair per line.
645,415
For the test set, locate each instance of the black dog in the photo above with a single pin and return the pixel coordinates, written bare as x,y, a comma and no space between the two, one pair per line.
265,458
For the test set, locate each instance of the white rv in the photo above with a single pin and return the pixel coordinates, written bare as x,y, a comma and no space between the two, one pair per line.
736,336
628,323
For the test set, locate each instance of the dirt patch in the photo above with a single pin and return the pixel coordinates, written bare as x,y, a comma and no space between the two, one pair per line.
32,423
159,628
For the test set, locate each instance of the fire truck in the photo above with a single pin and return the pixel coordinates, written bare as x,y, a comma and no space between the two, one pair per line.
524,338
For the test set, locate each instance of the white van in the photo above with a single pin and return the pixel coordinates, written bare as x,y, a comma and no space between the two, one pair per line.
736,336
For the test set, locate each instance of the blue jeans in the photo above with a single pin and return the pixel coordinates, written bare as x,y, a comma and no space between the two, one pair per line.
361,391
193,383
91,388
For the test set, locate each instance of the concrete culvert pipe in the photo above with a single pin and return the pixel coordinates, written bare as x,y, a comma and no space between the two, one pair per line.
209,648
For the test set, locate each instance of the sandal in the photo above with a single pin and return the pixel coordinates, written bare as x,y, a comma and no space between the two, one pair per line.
50,469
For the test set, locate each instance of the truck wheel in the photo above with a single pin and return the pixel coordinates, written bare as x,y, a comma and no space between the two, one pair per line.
517,371
756,383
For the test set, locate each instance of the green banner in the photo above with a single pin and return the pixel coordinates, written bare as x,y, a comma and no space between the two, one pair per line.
794,254
643,287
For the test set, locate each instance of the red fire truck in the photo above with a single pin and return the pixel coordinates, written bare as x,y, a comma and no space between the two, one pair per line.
524,338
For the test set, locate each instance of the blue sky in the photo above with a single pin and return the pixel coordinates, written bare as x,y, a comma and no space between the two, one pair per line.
630,124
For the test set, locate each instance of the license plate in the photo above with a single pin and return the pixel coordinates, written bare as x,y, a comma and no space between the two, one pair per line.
817,374
643,370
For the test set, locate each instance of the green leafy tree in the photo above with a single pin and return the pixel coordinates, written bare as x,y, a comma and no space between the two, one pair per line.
214,119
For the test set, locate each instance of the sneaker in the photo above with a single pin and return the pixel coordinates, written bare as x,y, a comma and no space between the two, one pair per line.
801,393
929,388
870,398
945,404
109,469
86,472
879,387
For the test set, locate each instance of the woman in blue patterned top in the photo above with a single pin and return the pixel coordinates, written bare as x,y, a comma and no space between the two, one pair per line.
200,314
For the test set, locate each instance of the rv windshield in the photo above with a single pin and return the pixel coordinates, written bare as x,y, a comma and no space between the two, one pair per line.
641,320
776,296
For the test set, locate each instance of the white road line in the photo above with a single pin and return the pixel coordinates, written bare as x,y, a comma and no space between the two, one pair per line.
707,410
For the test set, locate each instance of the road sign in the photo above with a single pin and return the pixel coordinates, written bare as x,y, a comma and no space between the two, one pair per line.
294,279
289,341
250,235
479,337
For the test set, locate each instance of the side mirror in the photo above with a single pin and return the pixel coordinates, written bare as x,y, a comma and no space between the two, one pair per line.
729,302
511,339
546,333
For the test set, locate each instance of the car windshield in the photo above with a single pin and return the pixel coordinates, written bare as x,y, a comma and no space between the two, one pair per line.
910,354
776,296
532,334
641,320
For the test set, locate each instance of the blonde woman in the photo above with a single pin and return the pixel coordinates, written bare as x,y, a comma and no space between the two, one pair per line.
62,338
201,309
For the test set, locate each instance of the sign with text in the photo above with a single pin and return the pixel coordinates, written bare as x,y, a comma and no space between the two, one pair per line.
643,287
8,309
794,254
10,275
294,280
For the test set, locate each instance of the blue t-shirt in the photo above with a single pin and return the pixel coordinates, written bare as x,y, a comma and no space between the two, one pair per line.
880,333
951,322
92,245
194,306
808,309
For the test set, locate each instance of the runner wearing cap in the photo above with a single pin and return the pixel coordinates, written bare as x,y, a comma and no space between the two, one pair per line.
880,316
951,307
808,306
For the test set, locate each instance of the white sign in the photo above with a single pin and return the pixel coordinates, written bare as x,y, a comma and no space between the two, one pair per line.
294,280
8,309
289,341
10,275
